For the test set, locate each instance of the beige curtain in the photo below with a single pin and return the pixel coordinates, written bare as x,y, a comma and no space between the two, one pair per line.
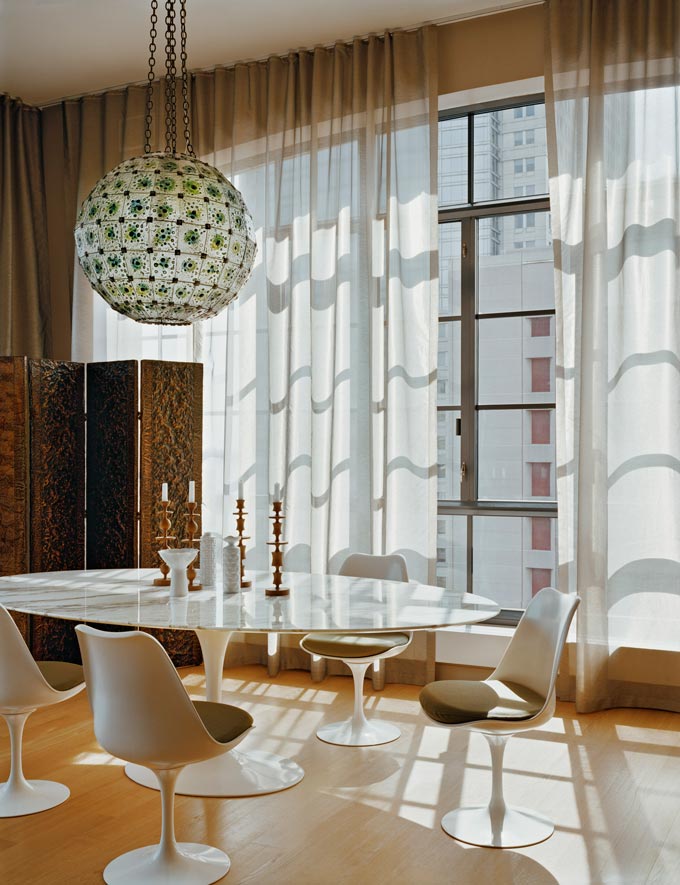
329,355
27,325
613,108
82,139
321,377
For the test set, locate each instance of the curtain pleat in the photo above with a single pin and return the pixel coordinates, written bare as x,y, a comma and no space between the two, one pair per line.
321,376
28,325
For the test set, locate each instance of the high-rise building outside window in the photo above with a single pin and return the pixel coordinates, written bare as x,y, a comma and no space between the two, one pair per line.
496,423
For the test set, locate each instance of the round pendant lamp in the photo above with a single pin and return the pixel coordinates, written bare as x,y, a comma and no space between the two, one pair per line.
164,237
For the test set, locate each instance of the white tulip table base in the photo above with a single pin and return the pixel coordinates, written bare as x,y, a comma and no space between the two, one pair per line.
368,733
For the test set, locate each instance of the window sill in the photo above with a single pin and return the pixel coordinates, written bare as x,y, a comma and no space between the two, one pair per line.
479,645
474,645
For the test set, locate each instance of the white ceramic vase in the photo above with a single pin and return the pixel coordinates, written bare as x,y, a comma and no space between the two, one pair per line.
231,565
210,542
178,559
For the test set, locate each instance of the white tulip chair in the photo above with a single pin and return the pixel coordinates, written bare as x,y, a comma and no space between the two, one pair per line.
25,686
361,651
143,714
519,695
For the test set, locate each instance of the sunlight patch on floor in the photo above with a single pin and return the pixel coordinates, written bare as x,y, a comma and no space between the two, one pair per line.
655,736
434,742
418,814
96,758
425,779
398,706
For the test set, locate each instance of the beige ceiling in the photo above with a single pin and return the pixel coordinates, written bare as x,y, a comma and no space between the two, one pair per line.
51,49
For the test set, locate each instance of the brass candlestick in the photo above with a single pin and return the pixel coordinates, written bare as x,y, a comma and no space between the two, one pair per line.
165,538
240,514
277,552
192,530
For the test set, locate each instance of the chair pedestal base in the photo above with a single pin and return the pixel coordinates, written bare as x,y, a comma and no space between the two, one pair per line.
198,864
358,731
369,733
29,797
517,828
233,774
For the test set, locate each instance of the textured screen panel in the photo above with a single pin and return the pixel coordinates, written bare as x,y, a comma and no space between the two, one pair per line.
53,639
182,646
23,622
171,447
112,464
57,457
14,536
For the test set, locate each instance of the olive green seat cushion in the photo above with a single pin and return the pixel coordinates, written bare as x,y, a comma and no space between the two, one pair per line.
352,645
455,701
60,674
223,722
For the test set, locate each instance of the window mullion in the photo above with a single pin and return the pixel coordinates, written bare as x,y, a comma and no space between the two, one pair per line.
468,358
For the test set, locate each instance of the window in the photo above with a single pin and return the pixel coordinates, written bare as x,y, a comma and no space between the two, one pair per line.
540,533
540,327
540,578
495,423
540,374
540,427
540,480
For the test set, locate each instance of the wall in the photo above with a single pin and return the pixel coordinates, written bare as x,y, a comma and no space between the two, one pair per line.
491,49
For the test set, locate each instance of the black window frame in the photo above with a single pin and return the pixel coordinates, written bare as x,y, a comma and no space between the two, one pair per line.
468,214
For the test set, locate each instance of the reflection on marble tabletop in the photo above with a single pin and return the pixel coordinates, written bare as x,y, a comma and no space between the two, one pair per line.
316,602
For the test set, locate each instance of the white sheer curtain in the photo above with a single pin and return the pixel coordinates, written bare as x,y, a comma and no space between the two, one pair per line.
613,103
321,376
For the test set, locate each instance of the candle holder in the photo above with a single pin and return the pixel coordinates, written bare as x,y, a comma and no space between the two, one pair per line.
165,526
192,531
240,514
277,552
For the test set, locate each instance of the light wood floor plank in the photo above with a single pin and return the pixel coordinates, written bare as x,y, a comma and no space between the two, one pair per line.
369,816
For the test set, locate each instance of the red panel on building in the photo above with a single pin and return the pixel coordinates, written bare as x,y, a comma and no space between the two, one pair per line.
540,578
540,374
540,533
540,327
540,427
540,480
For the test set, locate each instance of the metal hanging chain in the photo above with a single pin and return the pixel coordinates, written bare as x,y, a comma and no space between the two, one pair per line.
185,79
170,75
153,33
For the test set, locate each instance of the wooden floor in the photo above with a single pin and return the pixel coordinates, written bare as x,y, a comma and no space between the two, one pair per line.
611,781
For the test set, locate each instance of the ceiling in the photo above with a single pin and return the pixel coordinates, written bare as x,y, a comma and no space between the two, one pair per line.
52,49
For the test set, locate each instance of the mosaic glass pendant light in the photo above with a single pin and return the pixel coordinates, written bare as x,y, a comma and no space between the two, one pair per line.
165,238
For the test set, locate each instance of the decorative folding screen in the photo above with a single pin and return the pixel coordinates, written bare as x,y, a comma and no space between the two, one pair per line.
44,524
171,446
112,475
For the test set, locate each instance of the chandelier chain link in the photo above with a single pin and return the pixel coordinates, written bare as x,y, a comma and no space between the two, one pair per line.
185,78
153,33
170,75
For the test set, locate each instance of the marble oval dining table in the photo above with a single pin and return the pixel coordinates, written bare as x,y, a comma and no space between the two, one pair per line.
316,603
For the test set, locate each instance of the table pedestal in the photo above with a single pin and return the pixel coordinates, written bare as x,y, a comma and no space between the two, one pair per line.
237,772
